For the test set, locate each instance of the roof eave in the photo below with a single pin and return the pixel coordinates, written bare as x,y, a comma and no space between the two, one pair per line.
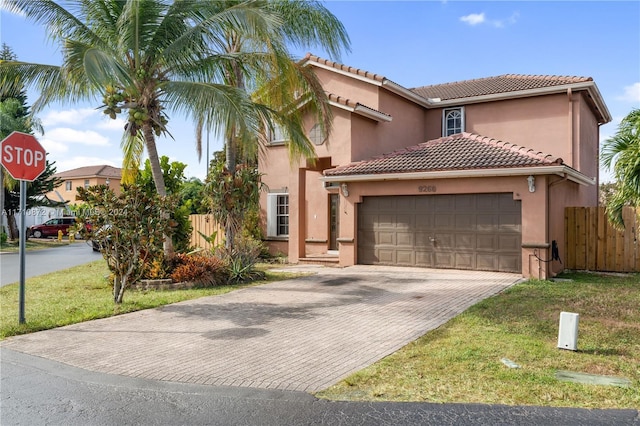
364,111
560,170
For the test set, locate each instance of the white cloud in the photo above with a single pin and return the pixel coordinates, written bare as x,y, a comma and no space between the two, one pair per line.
67,135
117,124
473,19
53,147
480,18
631,93
69,116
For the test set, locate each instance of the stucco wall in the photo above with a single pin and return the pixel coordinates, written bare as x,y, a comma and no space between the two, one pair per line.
348,87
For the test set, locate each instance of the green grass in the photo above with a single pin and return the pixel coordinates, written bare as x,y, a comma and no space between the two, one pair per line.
460,361
83,293
14,246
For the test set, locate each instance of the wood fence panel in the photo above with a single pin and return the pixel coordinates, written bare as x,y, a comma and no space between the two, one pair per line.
592,239
593,244
207,225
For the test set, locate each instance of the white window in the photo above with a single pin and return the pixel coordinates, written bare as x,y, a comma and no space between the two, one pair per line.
276,136
277,215
86,183
68,185
452,121
316,135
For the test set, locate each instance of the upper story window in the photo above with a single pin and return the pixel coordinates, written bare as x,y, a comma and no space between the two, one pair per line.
276,135
452,121
86,183
68,185
316,135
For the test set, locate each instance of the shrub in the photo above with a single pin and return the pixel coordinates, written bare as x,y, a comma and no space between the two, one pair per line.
203,270
242,260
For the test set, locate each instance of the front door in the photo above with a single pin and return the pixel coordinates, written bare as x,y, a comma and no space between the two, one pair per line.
334,220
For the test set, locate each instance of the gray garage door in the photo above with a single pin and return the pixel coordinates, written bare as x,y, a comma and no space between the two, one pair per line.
475,231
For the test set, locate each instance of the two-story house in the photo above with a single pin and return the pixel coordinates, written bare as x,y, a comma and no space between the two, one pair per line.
471,175
85,177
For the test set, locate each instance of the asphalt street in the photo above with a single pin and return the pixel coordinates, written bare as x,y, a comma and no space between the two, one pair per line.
40,262
36,391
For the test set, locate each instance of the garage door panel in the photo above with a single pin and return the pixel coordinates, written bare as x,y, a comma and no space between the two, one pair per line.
509,243
477,231
508,263
386,238
486,262
424,258
405,257
486,242
465,222
465,261
444,260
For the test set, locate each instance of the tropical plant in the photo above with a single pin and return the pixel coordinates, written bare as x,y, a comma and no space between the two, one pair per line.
285,90
621,153
130,229
173,175
145,58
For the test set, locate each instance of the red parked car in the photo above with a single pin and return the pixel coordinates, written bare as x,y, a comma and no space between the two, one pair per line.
51,227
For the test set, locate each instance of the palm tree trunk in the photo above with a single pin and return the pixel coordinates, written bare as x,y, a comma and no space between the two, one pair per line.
156,173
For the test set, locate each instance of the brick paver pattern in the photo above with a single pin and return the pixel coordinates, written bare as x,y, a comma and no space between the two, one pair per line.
302,334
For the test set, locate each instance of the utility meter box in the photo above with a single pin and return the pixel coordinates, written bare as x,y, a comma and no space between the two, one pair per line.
568,334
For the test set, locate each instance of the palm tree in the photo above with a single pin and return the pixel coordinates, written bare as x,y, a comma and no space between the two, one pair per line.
622,154
146,57
283,89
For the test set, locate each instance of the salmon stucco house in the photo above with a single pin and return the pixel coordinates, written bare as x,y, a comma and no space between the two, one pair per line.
473,174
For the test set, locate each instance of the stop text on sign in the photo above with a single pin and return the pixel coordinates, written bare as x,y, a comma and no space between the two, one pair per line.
22,156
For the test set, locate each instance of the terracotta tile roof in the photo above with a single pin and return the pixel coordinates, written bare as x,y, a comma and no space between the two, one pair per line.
341,67
351,104
91,171
492,85
463,151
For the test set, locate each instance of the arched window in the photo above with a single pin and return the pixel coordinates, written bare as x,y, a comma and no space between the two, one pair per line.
452,121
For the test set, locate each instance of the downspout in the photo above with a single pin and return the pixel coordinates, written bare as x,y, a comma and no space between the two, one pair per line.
571,136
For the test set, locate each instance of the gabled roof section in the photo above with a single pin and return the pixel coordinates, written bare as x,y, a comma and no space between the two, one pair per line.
357,108
369,77
463,151
104,171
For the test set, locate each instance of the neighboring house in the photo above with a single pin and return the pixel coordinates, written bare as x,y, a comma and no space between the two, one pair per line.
472,175
85,177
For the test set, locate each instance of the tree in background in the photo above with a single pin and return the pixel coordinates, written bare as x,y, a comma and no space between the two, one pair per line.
621,153
193,196
14,116
173,174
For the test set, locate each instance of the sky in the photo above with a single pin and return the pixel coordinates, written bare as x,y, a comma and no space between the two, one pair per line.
413,43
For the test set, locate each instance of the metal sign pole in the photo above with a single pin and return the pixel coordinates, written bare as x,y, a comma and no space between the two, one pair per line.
23,241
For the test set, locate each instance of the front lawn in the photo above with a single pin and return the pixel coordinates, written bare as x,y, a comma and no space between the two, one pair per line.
33,244
461,361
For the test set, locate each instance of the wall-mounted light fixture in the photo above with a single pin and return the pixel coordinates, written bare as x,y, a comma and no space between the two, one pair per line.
532,183
108,181
345,189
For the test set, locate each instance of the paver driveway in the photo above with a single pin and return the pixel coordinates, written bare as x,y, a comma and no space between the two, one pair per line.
301,334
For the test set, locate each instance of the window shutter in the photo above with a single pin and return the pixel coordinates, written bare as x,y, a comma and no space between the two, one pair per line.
272,217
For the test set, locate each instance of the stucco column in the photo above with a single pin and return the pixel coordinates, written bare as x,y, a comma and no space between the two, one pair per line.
297,214
348,227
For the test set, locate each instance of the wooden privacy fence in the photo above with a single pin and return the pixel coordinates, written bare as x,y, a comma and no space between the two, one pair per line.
594,245
207,225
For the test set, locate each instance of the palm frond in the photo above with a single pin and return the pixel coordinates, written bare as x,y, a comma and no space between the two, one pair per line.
132,150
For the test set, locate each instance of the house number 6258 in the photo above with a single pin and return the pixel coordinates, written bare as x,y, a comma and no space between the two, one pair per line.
427,188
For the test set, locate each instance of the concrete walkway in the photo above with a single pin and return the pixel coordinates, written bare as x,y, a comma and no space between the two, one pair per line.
302,334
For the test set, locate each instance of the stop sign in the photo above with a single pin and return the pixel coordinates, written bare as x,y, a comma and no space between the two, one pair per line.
23,156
